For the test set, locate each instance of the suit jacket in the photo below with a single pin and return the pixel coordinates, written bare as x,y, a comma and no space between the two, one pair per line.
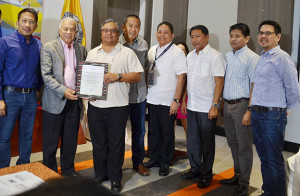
52,68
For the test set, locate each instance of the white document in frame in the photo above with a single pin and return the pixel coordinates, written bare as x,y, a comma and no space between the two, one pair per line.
92,80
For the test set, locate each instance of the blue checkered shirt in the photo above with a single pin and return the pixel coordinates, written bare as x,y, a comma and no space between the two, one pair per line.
239,73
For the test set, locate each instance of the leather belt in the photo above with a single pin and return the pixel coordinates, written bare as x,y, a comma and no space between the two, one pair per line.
19,90
267,109
234,101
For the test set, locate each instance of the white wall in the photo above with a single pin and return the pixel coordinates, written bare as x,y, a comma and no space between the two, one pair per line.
217,16
52,14
157,17
142,16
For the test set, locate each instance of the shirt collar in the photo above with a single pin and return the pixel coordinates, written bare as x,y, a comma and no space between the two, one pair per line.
204,50
271,51
165,46
118,47
240,50
66,45
22,38
123,41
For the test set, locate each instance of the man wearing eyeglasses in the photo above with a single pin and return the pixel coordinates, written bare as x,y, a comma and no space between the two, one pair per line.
61,106
107,118
20,77
274,94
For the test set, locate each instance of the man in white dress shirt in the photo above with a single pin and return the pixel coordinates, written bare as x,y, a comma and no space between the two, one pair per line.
166,80
107,118
205,78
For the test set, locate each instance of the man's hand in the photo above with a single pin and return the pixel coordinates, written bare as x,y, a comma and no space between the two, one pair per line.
2,108
70,94
213,113
173,108
183,107
247,118
110,77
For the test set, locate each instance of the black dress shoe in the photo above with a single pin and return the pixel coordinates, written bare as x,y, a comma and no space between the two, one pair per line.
100,180
71,174
241,190
231,181
150,164
203,183
164,170
116,186
189,175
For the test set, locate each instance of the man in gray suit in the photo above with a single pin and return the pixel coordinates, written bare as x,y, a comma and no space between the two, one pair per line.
61,106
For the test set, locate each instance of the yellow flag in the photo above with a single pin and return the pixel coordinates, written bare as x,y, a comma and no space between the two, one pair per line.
72,9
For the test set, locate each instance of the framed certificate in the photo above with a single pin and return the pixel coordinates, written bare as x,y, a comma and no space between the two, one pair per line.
90,80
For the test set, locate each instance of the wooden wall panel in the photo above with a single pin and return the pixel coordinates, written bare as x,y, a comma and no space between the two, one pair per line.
254,12
176,12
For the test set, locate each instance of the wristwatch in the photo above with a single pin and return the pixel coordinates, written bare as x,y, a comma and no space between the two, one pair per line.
250,108
216,105
177,100
120,76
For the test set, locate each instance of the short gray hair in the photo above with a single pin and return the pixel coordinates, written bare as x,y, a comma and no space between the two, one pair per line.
65,19
109,20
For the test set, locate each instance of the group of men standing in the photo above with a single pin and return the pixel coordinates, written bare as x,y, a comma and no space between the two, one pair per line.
258,91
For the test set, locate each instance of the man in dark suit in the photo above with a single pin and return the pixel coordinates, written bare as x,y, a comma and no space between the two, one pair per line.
61,106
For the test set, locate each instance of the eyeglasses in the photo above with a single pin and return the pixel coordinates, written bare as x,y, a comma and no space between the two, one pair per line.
25,21
267,33
112,31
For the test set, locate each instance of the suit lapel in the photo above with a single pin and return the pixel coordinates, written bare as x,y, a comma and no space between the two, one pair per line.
60,51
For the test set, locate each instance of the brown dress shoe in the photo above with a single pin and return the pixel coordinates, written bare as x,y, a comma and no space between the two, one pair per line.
142,170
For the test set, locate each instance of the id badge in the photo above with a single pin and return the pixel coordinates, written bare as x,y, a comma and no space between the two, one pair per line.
151,77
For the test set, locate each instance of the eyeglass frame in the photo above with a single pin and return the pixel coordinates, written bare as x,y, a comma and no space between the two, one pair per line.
24,21
267,33
112,31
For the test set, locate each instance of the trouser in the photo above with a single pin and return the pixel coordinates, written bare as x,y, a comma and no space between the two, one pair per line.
137,113
201,143
65,126
21,107
161,136
240,140
268,135
107,129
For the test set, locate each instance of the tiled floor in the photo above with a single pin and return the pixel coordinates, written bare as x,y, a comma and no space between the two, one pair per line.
223,160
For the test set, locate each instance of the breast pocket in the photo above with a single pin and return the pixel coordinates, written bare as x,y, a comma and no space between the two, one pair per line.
204,71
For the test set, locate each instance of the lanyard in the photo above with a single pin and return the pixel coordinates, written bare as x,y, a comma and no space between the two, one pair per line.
163,52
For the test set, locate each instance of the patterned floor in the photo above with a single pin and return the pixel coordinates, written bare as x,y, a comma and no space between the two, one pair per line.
155,185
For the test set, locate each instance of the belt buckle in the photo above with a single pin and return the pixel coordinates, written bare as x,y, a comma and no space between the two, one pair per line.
264,109
25,91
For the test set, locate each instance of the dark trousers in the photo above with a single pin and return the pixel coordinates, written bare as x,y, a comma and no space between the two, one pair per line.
161,137
240,140
201,143
65,126
107,129
137,118
268,135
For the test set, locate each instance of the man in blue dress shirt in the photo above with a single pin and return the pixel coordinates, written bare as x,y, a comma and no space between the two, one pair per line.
275,92
20,76
241,63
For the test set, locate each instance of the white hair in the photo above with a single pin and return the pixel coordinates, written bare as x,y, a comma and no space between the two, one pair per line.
67,19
